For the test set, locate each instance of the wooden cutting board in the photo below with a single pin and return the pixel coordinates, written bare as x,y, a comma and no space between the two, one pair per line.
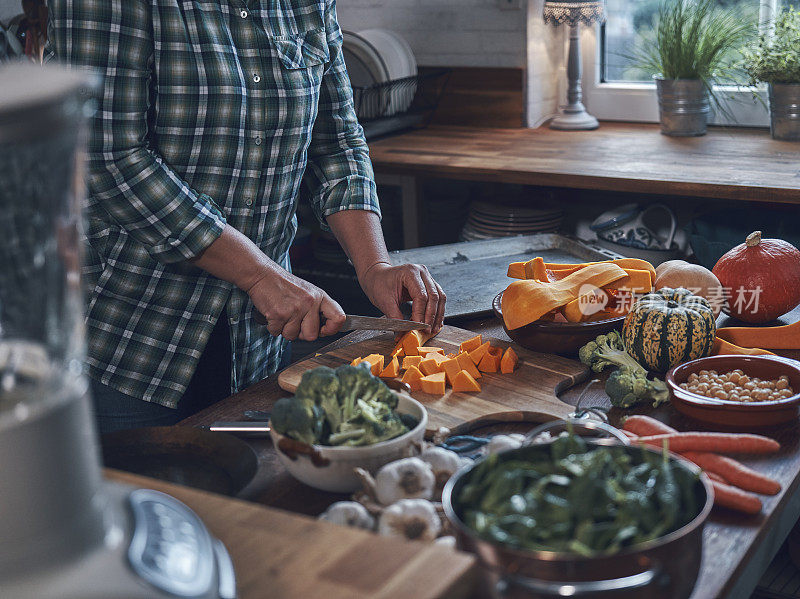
528,394
280,554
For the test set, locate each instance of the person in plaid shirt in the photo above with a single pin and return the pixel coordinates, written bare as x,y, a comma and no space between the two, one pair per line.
214,118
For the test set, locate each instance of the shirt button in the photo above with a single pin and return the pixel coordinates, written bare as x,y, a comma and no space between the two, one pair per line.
249,201
243,14
210,318
234,319
258,141
256,77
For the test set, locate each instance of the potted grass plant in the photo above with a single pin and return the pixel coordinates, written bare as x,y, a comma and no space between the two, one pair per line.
693,45
774,59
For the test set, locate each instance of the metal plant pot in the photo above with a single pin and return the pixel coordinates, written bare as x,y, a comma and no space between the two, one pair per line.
784,111
683,106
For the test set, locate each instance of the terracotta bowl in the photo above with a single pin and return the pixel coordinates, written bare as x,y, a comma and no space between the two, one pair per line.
564,338
734,413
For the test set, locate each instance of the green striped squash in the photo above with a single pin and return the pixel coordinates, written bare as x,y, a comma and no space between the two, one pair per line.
669,327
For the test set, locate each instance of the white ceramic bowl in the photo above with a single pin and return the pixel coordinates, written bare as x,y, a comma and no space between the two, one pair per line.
337,475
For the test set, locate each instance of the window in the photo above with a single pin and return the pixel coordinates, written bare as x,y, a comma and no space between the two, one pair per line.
616,89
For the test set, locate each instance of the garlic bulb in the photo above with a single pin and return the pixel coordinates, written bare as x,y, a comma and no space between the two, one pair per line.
349,513
502,442
414,519
404,479
444,463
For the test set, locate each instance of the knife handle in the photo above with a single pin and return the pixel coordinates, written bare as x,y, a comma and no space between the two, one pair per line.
259,318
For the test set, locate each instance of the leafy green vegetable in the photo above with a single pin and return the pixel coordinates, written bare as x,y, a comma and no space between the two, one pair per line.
570,497
346,406
607,350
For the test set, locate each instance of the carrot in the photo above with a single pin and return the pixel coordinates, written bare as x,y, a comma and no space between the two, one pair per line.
645,425
717,442
734,473
716,478
735,499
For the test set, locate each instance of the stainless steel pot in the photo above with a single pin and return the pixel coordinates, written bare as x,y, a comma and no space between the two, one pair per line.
683,106
665,568
784,111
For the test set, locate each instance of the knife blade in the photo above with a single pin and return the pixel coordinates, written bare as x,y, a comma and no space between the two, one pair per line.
240,429
364,323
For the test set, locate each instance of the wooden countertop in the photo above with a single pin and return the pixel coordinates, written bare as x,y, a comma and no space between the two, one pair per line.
727,163
736,549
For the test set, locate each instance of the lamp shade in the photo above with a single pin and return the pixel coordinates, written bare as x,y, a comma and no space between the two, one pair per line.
573,11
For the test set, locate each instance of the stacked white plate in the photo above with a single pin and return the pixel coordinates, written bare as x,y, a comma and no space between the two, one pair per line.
380,56
487,220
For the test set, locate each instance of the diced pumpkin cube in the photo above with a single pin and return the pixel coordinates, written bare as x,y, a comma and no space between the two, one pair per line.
430,366
423,351
434,384
477,354
471,344
451,368
516,270
467,364
398,352
495,351
412,378
410,361
356,361
489,363
392,369
509,361
411,343
438,357
464,383
376,363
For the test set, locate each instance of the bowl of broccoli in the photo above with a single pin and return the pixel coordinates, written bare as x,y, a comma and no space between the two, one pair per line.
351,419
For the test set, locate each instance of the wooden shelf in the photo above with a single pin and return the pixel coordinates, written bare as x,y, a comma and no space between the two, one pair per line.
727,163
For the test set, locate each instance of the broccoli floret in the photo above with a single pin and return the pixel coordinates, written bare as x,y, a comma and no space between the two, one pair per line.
608,350
627,387
320,387
352,381
297,419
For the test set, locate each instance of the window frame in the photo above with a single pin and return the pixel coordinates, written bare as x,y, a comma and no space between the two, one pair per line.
634,101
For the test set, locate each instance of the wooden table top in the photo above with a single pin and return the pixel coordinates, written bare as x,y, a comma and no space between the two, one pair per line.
726,163
736,549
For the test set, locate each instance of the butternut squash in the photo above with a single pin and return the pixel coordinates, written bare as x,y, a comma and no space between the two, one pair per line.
636,281
376,363
509,361
783,337
398,352
451,368
412,377
723,348
391,370
464,383
429,366
489,363
467,364
477,354
424,351
434,384
410,361
526,301
516,270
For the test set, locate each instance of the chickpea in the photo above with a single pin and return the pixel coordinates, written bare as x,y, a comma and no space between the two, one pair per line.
769,384
683,386
786,392
761,395
692,377
702,388
751,386
733,377
713,372
704,372
743,379
728,386
721,394
782,383
734,397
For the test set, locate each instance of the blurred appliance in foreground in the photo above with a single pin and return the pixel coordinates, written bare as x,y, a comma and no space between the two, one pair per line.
65,531
573,116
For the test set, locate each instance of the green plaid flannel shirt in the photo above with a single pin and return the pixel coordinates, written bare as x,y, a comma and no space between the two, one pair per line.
211,112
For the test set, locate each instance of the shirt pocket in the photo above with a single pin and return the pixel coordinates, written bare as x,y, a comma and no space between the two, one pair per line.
302,50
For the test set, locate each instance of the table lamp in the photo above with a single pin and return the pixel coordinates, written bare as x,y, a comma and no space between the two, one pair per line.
573,116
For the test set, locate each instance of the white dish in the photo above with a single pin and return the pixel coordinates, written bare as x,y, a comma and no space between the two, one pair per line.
400,63
366,68
337,476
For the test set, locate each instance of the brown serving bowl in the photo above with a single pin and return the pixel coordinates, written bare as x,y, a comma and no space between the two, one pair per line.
564,338
735,413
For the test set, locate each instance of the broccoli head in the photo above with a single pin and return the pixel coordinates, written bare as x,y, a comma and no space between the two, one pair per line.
627,387
297,419
320,387
608,350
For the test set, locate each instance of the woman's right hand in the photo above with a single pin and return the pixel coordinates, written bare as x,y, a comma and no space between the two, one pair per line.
293,306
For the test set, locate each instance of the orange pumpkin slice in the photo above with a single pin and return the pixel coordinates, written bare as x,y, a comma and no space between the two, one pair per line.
477,354
424,351
489,363
471,344
397,352
509,361
410,361
467,364
451,368
434,384
464,383
356,361
376,363
430,366
411,342
516,270
495,351
392,369
412,377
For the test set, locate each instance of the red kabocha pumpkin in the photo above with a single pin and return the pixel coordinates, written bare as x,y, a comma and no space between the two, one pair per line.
763,276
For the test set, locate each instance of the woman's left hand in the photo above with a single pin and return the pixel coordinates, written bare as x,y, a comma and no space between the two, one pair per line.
387,287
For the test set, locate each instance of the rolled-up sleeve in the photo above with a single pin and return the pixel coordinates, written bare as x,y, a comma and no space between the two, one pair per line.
127,179
339,173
